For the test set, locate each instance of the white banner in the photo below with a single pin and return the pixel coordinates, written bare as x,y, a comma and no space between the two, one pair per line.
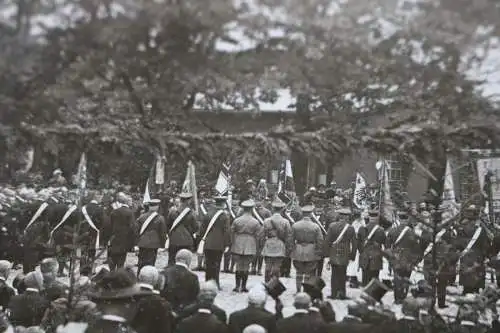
160,171
492,165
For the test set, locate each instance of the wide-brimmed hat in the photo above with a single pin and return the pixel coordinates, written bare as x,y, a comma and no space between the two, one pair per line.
123,293
274,287
307,209
248,203
153,202
185,195
277,203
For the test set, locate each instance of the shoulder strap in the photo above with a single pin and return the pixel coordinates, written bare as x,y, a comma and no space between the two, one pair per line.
38,213
68,213
316,220
473,241
429,247
401,235
341,235
91,223
372,232
147,222
257,216
179,218
212,222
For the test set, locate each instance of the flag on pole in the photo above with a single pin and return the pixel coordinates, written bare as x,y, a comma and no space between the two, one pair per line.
81,174
387,206
286,185
189,185
448,197
224,180
155,180
360,192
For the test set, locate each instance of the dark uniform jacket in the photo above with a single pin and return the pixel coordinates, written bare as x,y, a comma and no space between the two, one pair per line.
183,233
345,249
154,315
181,287
37,235
277,237
202,322
252,315
246,235
407,252
299,323
446,253
63,235
121,231
155,235
370,255
307,241
27,309
97,216
219,236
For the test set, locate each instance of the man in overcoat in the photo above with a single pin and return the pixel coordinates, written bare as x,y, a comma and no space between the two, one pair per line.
152,234
370,240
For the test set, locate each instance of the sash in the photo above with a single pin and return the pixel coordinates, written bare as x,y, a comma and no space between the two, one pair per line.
230,209
289,217
429,247
38,213
257,216
68,213
341,235
203,209
214,218
92,225
370,235
316,219
401,235
472,242
176,222
147,222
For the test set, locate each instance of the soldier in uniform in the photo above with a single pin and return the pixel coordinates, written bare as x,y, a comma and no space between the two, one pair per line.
246,240
95,213
215,238
277,240
404,253
264,213
152,234
181,226
340,247
474,245
371,238
307,243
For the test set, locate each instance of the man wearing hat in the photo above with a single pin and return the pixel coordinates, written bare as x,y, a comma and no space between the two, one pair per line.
181,226
319,308
121,233
248,191
246,241
277,240
57,179
307,244
340,247
152,234
370,240
215,238
404,253
473,243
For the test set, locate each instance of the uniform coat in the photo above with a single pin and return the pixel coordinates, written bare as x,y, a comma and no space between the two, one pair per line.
202,322
370,255
155,235
246,236
307,241
181,287
63,235
219,237
96,214
277,237
35,238
407,251
120,233
238,320
182,235
345,250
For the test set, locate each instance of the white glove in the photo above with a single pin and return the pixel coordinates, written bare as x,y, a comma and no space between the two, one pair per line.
226,250
136,248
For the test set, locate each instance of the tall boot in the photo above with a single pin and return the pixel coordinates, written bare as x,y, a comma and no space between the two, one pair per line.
267,276
244,279
226,262
298,282
237,277
260,261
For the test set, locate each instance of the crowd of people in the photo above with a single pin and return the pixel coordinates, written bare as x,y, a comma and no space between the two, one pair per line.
44,231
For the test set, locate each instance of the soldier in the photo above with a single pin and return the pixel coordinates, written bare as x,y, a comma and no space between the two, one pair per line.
93,222
260,213
371,238
120,233
152,234
277,243
321,221
340,247
215,238
474,244
307,242
291,216
404,253
246,239
181,226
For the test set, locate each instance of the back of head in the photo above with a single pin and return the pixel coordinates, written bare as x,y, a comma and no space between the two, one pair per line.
149,275
302,301
5,267
208,293
257,297
49,265
34,280
116,280
184,256
254,328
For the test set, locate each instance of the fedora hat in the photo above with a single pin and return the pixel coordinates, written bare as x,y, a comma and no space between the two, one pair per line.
185,195
274,287
248,203
375,290
122,293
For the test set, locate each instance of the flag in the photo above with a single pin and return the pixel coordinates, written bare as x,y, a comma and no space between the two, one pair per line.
81,175
286,185
448,197
388,213
224,179
189,185
155,180
360,192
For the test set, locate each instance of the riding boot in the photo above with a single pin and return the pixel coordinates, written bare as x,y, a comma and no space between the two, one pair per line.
267,275
298,282
260,261
244,279
237,276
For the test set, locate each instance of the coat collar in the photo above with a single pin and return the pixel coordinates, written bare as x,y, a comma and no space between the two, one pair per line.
117,319
33,290
206,311
182,264
300,311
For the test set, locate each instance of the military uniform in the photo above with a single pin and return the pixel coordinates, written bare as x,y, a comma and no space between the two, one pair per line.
264,213
182,235
217,239
89,244
405,253
277,241
370,240
340,247
152,238
246,241
307,244
35,236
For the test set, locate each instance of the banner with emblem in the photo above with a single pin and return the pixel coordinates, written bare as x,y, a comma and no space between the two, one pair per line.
155,180
189,185
360,192
81,174
286,184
